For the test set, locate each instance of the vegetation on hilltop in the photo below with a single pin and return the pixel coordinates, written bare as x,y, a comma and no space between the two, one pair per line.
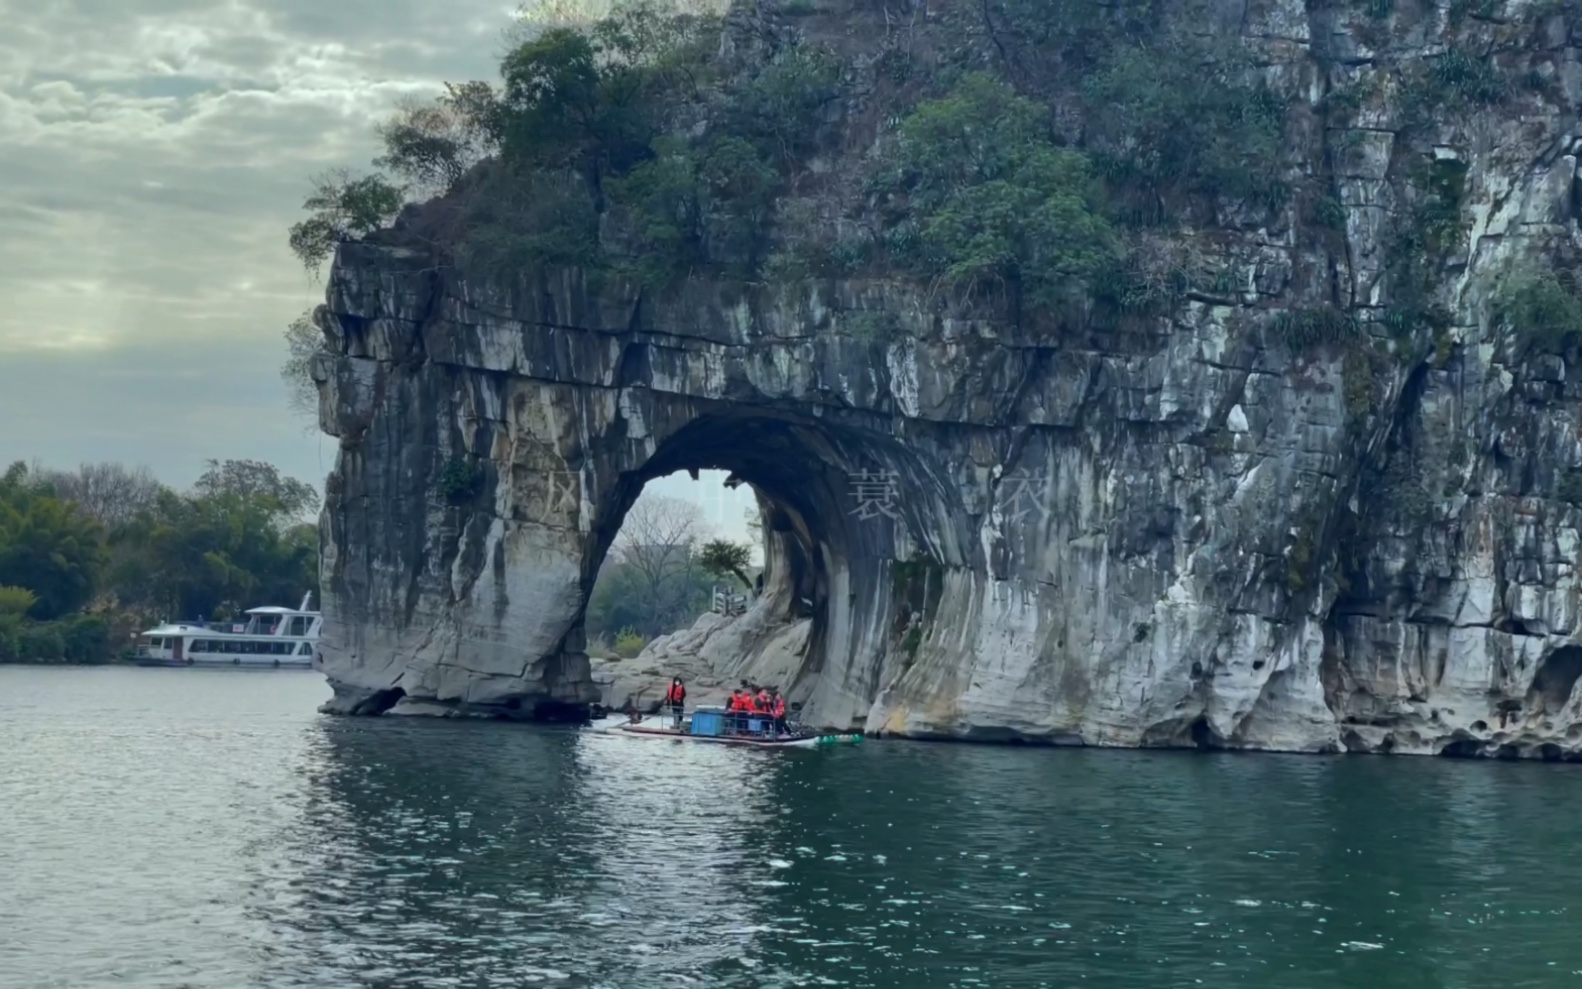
88,557
1060,159
633,145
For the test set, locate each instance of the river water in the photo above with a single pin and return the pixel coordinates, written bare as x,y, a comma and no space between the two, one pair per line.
189,828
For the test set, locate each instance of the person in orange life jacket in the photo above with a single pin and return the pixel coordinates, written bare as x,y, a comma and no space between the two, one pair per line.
749,709
763,706
743,706
778,709
676,699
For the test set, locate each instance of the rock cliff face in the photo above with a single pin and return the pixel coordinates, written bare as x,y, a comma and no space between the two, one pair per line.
1188,536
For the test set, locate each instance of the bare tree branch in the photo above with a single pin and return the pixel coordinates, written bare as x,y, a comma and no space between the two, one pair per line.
658,541
112,493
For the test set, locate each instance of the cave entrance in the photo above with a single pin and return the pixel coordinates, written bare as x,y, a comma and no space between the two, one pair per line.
1555,680
819,546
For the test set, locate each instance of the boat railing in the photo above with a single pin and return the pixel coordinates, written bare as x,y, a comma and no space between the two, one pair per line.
740,724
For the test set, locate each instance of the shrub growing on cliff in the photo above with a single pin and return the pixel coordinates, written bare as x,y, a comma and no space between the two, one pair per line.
993,200
779,108
343,208
1461,79
689,206
592,99
582,120
1305,329
553,110
16,601
433,144
711,200
1184,116
1542,309
303,343
460,479
521,219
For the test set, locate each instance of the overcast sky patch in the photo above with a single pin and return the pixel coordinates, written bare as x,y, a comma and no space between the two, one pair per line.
153,154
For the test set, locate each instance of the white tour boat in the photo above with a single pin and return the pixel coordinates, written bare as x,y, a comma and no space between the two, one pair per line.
271,637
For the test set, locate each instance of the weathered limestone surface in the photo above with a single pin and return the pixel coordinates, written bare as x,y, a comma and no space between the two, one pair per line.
1188,539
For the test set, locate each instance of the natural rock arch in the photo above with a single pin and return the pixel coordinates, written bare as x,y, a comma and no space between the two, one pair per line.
1206,524
484,473
835,517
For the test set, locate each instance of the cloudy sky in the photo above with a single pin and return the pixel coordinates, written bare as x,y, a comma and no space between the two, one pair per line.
153,154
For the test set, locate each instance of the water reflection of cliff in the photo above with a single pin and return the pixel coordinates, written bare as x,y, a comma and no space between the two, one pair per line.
497,855
427,851
430,851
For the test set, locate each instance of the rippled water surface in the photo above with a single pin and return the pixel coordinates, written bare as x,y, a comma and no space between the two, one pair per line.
188,828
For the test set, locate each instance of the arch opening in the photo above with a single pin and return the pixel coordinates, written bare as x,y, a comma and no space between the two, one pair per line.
834,508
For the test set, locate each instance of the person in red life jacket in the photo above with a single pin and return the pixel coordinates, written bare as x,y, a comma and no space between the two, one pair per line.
778,709
747,710
739,707
676,699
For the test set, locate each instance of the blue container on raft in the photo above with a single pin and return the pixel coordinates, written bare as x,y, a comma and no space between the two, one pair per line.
707,722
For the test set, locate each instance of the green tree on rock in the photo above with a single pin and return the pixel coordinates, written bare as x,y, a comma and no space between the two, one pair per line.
344,208
995,201
724,558
434,144
1183,116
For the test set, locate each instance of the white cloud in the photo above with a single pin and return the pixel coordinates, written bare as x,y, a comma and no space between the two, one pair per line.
153,154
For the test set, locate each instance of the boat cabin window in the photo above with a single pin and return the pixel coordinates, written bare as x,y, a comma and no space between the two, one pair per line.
299,625
266,624
305,649
262,648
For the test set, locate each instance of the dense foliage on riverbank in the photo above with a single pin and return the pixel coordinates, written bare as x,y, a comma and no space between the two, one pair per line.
88,557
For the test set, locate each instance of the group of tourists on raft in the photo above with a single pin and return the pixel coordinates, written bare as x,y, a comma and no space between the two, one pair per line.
747,703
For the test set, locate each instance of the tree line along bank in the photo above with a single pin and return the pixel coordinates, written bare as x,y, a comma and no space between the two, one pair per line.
90,556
